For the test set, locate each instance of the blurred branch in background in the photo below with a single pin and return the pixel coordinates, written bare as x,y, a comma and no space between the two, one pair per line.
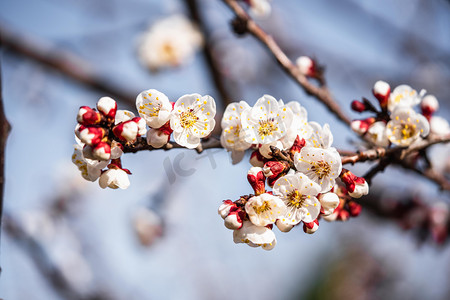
44,264
4,132
213,67
63,62
244,23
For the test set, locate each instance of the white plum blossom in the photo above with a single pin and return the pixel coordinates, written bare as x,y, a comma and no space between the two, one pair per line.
328,202
260,8
169,42
255,236
114,178
299,126
264,209
298,193
192,118
90,169
321,137
322,166
233,137
406,126
404,95
266,121
154,107
377,134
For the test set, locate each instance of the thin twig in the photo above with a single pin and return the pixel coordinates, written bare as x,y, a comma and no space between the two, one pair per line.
321,93
141,145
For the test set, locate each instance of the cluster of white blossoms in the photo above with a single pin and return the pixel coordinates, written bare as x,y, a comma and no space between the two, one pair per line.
102,135
296,159
397,122
169,42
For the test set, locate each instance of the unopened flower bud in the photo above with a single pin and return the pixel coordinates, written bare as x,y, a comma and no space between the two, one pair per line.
297,146
142,125
328,203
88,116
234,219
256,159
126,131
358,106
255,177
157,138
108,107
381,90
429,105
224,209
343,215
116,150
90,135
274,170
102,151
354,208
356,186
114,178
283,227
361,126
311,227
306,66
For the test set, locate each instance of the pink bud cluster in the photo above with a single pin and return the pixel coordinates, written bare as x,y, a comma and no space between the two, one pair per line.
102,140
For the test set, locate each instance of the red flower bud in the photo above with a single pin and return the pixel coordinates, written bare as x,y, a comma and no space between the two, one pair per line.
358,106
255,177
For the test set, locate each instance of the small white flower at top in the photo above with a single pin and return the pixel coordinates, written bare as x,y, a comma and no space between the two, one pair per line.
170,42
154,107
260,8
322,166
233,137
299,195
406,126
266,121
404,95
264,209
192,118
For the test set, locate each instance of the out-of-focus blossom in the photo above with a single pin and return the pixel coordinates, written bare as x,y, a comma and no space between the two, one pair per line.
169,42
405,96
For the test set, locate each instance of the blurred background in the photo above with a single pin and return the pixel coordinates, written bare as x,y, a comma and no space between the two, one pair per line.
66,238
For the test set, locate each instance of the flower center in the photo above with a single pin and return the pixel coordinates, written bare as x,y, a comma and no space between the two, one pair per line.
265,206
266,127
295,199
188,119
237,131
321,168
153,111
168,52
407,131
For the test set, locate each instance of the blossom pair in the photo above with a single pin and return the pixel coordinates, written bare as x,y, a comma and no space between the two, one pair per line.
190,118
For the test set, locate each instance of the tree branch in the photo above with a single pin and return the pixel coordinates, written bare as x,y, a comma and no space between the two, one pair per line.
321,93
65,63
5,128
